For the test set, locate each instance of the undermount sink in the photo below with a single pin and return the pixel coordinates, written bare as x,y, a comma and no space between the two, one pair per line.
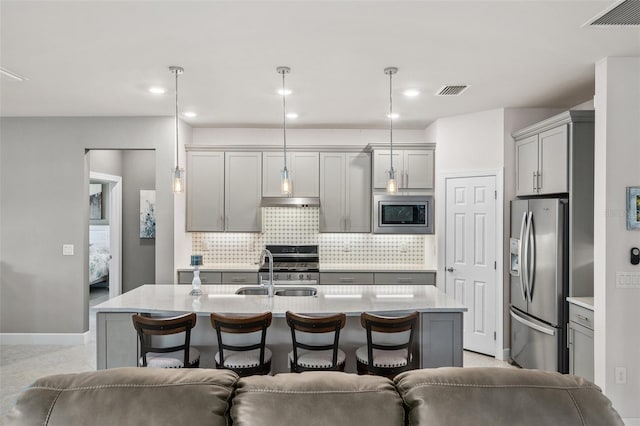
252,291
278,291
296,291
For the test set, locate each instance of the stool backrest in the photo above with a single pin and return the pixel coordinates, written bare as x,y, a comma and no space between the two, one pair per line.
147,327
311,324
381,324
241,325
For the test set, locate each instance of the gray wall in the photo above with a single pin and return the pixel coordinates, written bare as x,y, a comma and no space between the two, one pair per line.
44,201
107,161
138,254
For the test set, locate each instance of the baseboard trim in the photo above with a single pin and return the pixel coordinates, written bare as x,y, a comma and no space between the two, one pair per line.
504,356
44,338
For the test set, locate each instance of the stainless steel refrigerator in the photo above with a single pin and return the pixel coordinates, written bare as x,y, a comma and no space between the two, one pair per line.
539,283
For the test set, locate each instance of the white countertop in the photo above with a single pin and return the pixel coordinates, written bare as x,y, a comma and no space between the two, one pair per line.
585,302
350,299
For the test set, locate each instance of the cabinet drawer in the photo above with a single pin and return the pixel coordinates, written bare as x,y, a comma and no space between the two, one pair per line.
359,278
581,315
206,277
240,278
412,278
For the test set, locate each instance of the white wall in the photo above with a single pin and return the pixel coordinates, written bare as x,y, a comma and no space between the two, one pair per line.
617,164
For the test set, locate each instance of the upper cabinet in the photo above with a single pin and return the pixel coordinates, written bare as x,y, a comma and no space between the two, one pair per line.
205,191
542,162
304,171
414,168
243,191
345,192
223,191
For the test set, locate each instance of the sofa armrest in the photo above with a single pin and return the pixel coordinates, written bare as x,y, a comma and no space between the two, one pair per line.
316,398
128,396
500,396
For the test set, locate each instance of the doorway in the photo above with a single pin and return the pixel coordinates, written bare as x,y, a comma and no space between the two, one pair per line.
472,256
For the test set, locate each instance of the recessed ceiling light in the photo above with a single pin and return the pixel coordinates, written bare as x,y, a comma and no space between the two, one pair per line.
156,90
292,115
189,114
393,116
285,92
411,93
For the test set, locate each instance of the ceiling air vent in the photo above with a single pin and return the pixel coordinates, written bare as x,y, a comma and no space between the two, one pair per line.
621,14
451,90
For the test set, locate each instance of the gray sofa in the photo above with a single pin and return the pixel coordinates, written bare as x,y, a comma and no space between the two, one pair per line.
441,396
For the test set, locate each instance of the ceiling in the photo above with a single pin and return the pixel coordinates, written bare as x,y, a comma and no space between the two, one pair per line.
99,58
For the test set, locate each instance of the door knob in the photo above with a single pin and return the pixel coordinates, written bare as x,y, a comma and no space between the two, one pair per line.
450,269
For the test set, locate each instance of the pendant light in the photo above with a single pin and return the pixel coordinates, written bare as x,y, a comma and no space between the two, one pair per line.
178,184
285,181
392,188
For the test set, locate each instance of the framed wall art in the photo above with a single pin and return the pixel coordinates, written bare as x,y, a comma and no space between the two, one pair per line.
633,207
147,213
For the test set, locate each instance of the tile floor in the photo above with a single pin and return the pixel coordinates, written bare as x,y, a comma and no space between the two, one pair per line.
20,365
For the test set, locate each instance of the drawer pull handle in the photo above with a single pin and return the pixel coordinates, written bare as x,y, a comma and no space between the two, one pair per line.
346,280
582,317
405,280
239,279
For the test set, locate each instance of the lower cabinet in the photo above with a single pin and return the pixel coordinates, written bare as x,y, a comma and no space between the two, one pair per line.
356,278
206,277
580,340
380,278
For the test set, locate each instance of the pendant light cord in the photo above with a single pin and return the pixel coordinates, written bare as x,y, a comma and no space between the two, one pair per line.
177,150
284,119
391,123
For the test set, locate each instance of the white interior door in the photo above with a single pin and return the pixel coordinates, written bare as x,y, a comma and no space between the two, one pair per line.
470,256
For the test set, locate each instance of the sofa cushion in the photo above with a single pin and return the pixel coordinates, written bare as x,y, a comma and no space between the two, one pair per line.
128,396
499,396
316,398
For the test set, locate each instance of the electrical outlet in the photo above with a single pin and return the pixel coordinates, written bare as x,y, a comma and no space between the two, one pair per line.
621,376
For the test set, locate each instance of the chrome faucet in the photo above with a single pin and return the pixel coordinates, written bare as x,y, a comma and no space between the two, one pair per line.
270,256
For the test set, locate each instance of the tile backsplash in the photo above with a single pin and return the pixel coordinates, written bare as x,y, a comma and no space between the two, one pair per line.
300,226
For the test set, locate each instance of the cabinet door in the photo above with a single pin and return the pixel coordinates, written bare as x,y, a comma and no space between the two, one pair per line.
417,172
332,192
272,165
243,191
205,191
581,351
527,166
554,161
306,174
358,194
381,166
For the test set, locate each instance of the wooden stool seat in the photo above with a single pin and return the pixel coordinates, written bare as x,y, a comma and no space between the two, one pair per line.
389,344
315,342
241,343
154,355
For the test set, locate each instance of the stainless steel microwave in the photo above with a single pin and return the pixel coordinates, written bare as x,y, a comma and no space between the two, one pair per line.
402,214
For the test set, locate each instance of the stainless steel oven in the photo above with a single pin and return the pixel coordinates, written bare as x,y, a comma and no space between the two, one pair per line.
402,214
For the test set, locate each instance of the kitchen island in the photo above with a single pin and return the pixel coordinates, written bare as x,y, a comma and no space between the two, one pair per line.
438,338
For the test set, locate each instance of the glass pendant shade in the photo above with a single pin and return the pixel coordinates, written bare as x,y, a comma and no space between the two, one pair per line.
392,188
178,181
285,182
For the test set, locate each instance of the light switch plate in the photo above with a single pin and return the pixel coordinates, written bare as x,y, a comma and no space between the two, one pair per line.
628,279
67,249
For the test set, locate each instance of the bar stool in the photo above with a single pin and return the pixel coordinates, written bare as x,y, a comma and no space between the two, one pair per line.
315,352
245,358
389,341
178,356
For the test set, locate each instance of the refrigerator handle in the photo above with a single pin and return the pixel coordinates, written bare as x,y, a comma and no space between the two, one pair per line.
523,257
541,329
531,268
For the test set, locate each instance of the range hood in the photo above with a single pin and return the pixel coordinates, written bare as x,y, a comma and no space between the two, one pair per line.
290,202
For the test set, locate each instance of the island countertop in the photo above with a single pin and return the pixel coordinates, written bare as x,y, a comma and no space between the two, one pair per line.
350,299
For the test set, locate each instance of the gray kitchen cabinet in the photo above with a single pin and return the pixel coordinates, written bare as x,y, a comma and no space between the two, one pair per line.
542,163
304,172
205,191
243,191
414,168
345,192
580,340
410,278
206,277
355,278
235,277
